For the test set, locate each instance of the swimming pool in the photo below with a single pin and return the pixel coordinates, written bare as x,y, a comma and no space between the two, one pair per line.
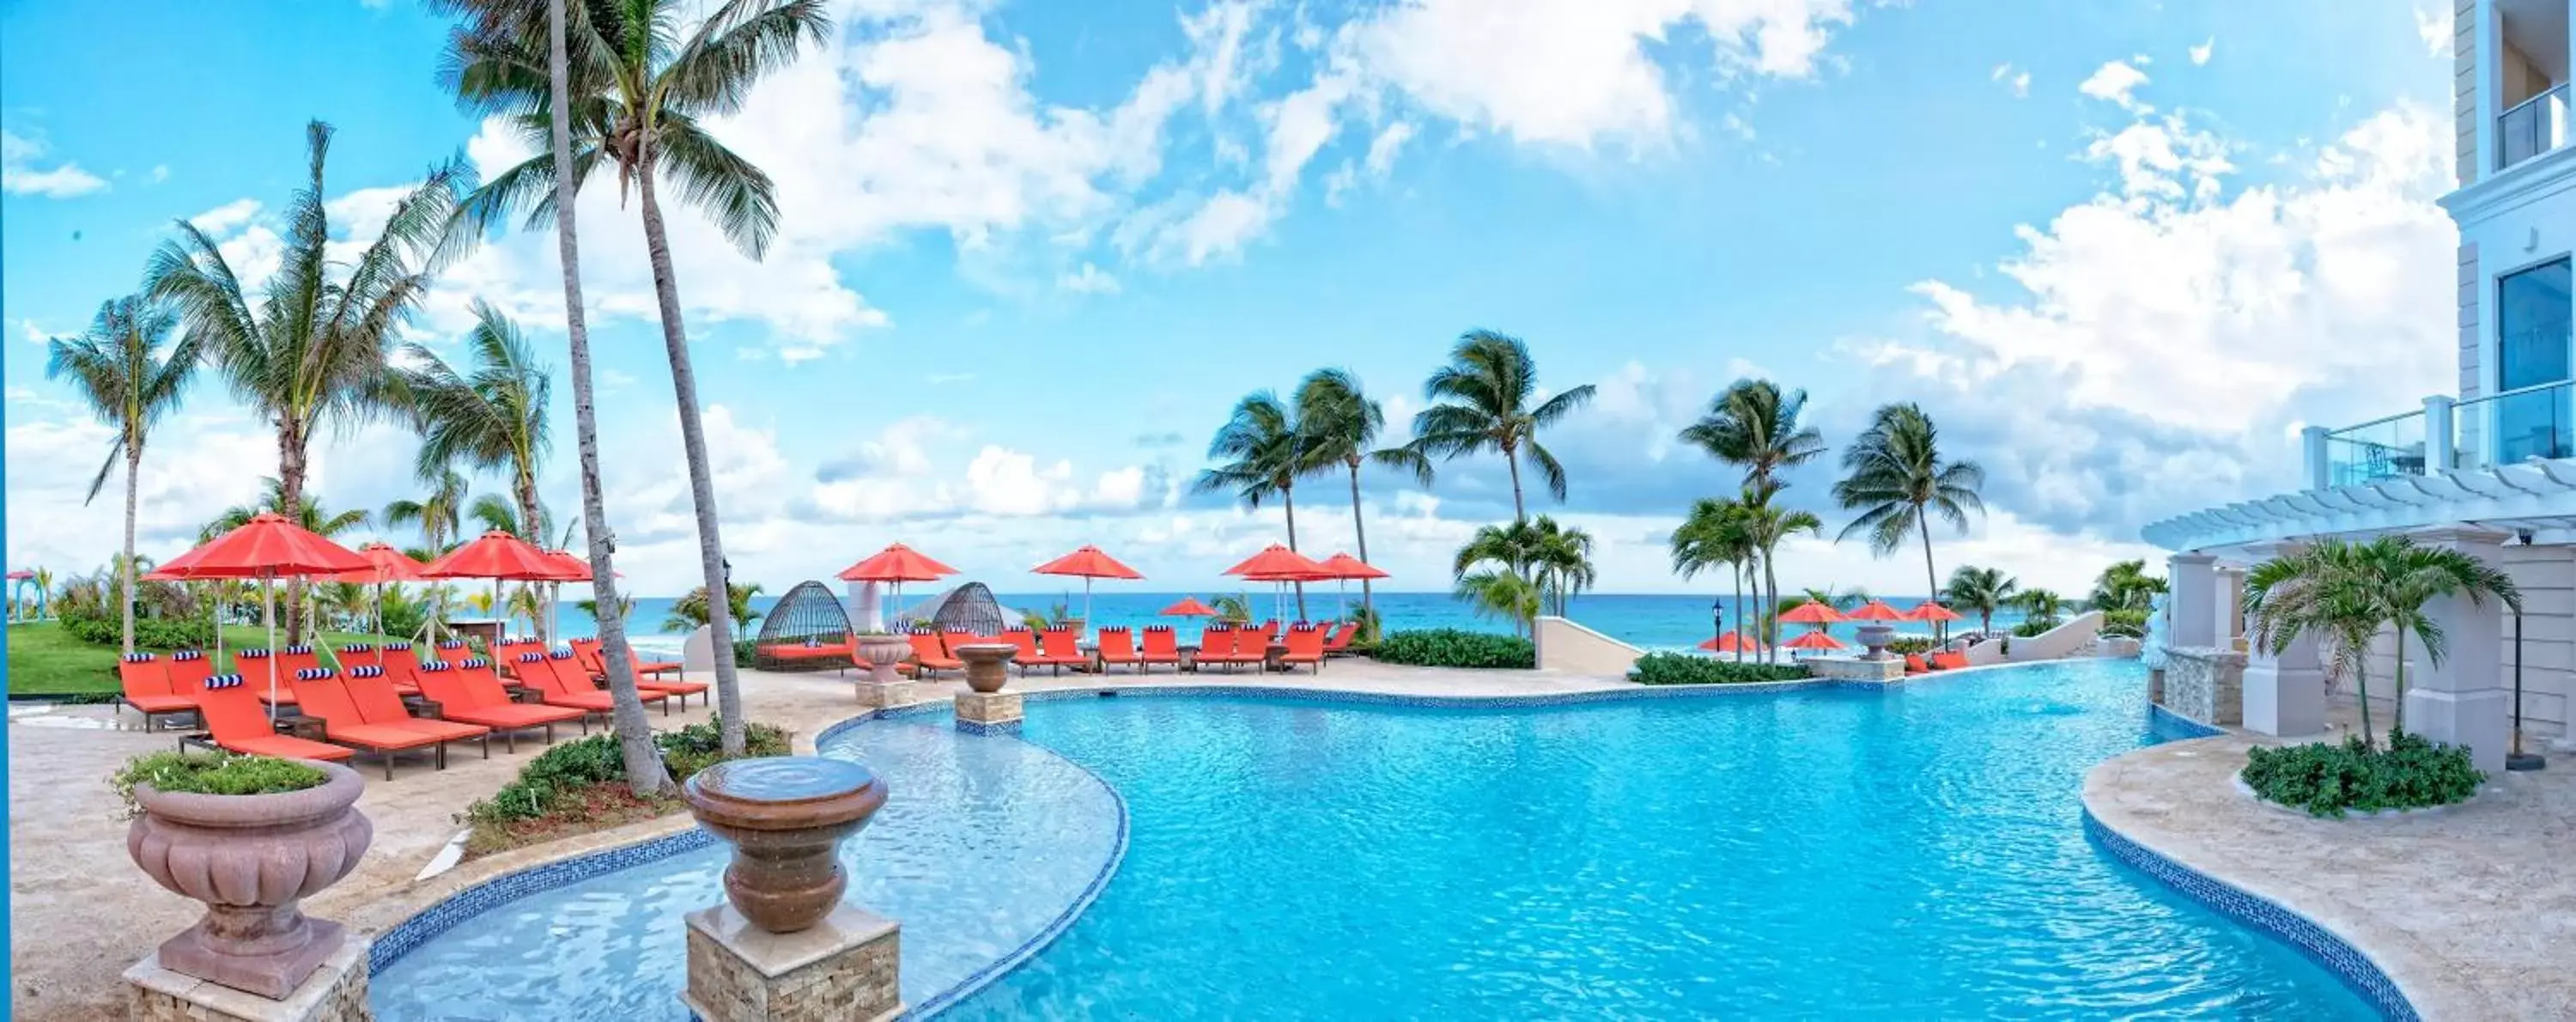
1913,852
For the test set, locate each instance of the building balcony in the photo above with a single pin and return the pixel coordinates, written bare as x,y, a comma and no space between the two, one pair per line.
2510,428
2532,127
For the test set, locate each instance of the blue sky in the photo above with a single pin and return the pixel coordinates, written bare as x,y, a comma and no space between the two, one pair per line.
1033,252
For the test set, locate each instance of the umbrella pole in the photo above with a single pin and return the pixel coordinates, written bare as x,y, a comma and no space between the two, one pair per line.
268,616
1086,603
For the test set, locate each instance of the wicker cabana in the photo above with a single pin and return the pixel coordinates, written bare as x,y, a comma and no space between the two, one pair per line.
808,613
968,607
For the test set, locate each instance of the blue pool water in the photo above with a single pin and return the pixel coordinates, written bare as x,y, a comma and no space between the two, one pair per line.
1916,853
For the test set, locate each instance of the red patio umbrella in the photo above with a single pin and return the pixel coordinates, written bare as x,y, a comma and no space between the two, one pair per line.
1876,610
1346,567
1276,563
1732,642
1088,562
1812,613
1189,607
267,548
1932,611
498,556
386,564
896,565
1815,640
21,575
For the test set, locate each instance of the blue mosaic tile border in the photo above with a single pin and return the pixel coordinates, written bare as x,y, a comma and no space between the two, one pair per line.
977,727
2167,722
455,909
2264,916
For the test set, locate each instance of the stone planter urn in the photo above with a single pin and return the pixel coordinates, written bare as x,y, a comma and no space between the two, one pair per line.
1875,635
250,859
882,652
987,664
785,817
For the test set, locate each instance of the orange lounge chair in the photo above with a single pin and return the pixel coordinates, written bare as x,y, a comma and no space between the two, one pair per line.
455,651
1340,642
1224,647
1061,648
1305,646
402,666
188,670
235,722
1118,646
1949,661
359,654
294,660
476,697
642,666
571,680
144,685
928,655
594,663
1028,655
377,703
1162,646
253,663
318,695
1914,664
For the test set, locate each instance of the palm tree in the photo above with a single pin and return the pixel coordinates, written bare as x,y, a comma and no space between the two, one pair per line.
1982,591
121,368
1714,534
438,515
1765,526
1560,562
1264,454
491,420
2343,593
1495,592
642,93
1341,423
625,607
690,611
1898,481
311,351
1535,555
1235,609
311,514
2040,608
2125,585
1480,403
1754,426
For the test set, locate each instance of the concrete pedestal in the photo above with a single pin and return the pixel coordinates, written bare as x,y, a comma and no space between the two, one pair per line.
2480,720
1855,669
988,711
336,992
879,695
847,967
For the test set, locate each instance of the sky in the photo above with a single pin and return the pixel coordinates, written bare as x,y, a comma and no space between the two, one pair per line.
1031,255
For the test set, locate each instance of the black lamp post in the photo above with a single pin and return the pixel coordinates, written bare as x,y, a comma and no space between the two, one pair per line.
1716,621
2518,759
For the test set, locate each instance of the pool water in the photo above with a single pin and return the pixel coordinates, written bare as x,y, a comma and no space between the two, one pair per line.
1914,853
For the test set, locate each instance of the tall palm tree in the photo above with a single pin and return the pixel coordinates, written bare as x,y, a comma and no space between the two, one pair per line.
1495,592
438,515
1543,558
1714,534
642,91
1264,453
493,419
310,513
1341,423
131,375
505,19
2125,585
2040,608
690,611
1897,480
2342,593
308,350
1480,402
1765,526
1755,427
2409,576
1982,591
1560,562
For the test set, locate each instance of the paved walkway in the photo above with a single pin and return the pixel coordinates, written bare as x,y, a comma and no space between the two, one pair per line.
81,913
2470,908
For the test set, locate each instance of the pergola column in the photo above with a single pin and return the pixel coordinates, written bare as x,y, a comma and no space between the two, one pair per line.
2284,694
2463,700
2194,608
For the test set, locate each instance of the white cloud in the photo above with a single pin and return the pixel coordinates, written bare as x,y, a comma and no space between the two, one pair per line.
2200,54
227,218
19,174
2016,80
160,173
2115,82
1088,280
2433,25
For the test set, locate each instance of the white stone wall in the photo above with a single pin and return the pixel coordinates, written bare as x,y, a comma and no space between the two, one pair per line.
1573,649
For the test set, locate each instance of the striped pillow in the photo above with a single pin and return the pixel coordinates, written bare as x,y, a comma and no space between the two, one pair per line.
1158,628
397,647
298,650
367,671
435,666
563,654
251,654
224,681
138,658
531,657
1120,629
475,664
357,647
452,644
187,654
312,674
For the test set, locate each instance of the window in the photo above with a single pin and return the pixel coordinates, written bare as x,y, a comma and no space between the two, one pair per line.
2533,347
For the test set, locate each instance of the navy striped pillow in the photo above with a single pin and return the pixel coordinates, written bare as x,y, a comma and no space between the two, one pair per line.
452,644
251,654
224,681
357,647
138,658
187,654
312,673
298,650
475,664
531,657
1158,628
563,654
441,665
397,646
366,671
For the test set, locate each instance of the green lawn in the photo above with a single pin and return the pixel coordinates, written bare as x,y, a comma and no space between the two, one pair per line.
45,660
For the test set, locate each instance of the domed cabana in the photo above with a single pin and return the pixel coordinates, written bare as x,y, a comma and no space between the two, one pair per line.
806,631
967,608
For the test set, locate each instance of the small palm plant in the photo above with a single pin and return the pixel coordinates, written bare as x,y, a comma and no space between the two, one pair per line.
2342,593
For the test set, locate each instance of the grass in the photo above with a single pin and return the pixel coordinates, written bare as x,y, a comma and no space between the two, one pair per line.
46,660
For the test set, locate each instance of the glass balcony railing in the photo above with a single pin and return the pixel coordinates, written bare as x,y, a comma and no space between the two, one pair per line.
2534,126
2516,426
2376,450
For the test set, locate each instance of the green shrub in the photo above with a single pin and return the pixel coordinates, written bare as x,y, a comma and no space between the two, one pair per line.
219,773
1690,669
149,632
2027,629
2326,780
695,747
1904,644
556,777
1452,647
746,653
2125,623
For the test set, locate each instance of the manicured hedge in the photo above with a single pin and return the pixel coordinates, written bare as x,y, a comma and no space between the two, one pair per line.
1687,669
552,781
149,632
1452,647
2327,780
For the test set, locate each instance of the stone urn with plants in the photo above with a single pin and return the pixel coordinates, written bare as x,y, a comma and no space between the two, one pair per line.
882,651
250,837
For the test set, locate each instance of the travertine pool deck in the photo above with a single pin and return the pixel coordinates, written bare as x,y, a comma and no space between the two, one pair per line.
2471,909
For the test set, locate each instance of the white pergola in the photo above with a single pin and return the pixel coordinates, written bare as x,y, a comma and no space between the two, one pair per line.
2536,497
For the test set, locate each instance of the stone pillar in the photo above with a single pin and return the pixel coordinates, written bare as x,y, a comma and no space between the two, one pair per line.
2316,471
336,992
2285,694
984,706
2465,699
2230,609
2194,610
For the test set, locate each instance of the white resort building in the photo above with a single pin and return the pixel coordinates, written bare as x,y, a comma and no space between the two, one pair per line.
2490,470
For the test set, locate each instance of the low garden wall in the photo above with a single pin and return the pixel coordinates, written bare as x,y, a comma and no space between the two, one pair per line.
1573,649
2205,685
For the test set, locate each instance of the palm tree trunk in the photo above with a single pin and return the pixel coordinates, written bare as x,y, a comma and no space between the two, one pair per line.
1931,579
1511,459
2397,724
1770,605
290,504
1359,528
693,443
1288,500
644,772
2361,684
133,461
1739,613
526,487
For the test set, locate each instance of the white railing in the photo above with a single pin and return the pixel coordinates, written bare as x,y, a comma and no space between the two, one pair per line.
2534,126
